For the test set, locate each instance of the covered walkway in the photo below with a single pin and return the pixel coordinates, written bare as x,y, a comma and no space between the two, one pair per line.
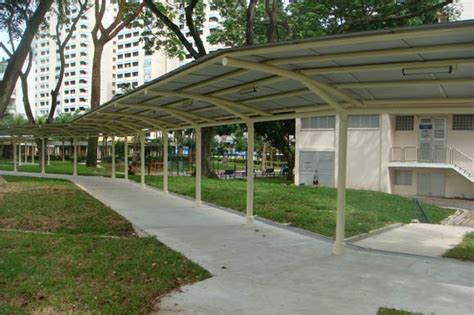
424,70
265,269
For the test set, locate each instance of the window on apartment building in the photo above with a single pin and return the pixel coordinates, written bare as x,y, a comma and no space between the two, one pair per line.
135,64
403,178
128,45
323,122
135,54
135,74
83,63
212,30
120,37
83,54
463,122
213,19
404,122
364,121
136,33
82,90
120,46
120,75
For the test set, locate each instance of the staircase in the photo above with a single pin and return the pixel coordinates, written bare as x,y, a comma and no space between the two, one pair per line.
449,157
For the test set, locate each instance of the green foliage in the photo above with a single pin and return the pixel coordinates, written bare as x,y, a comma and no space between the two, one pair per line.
392,311
157,36
10,120
463,251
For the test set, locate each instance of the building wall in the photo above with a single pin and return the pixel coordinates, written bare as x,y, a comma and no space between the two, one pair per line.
369,155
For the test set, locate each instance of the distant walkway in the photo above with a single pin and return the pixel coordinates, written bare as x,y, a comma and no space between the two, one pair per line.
263,269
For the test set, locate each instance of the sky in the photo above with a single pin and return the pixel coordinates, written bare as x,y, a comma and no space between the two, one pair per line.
466,14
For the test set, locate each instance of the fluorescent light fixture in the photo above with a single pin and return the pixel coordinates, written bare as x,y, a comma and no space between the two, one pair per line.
427,70
146,129
250,90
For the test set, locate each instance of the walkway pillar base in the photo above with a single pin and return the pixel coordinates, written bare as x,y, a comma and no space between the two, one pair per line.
249,220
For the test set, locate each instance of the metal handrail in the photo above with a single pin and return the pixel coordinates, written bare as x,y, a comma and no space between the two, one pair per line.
451,156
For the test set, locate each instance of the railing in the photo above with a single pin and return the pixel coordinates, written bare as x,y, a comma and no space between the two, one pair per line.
462,161
447,155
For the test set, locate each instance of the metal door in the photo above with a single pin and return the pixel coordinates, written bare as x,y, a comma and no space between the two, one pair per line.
432,140
321,162
431,184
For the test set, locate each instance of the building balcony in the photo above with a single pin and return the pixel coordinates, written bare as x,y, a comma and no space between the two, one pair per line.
433,157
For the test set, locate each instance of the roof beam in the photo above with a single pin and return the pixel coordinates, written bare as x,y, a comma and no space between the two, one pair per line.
223,104
129,125
150,121
175,112
339,40
316,87
382,84
373,53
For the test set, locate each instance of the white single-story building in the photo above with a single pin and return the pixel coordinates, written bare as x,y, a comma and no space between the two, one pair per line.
427,155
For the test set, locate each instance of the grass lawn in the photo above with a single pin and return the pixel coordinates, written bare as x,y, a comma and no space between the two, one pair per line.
309,208
59,167
92,264
464,250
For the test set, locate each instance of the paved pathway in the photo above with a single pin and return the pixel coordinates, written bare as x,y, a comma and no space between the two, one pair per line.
418,238
264,269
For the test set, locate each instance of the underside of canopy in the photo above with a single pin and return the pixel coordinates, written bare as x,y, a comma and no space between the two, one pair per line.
425,69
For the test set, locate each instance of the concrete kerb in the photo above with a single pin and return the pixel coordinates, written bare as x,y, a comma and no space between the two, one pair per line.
362,236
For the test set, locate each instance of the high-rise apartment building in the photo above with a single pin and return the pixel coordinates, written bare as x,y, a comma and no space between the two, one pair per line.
124,64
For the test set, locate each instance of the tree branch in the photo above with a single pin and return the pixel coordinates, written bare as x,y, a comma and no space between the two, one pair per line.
173,27
189,12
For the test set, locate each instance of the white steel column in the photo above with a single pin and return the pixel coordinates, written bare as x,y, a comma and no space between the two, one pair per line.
49,155
14,156
19,154
142,157
113,156
339,245
125,156
198,166
75,156
43,162
165,161
249,218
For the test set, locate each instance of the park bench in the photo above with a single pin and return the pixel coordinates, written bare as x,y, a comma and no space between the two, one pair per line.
268,172
228,173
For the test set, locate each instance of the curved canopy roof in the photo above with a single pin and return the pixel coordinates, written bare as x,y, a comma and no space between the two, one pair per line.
424,69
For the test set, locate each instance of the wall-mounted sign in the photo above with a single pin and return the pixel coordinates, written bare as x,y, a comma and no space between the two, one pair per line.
426,126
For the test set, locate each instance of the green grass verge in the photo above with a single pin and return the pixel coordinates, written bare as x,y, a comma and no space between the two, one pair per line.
59,167
392,311
84,274
53,205
95,265
464,250
309,208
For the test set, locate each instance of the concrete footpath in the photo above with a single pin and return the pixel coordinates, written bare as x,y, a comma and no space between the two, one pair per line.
418,238
265,269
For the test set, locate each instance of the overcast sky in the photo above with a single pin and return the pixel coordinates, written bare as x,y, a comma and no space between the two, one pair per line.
467,7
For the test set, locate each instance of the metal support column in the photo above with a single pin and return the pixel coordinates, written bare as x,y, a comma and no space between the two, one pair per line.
14,156
43,157
165,161
249,218
339,245
142,158
125,156
19,154
75,156
113,157
198,166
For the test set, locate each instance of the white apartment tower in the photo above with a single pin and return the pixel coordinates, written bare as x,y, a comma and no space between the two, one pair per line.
125,64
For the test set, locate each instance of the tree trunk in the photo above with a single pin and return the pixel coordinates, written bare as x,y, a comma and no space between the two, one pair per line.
206,154
63,153
250,17
16,61
95,100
